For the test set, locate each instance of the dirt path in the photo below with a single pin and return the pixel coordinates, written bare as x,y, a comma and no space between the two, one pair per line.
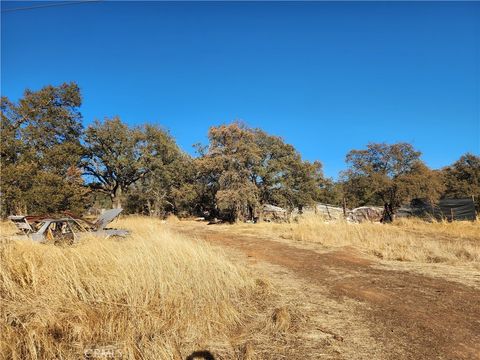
411,316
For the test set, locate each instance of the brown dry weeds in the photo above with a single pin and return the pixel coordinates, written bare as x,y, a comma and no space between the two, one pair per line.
154,295
405,240
379,312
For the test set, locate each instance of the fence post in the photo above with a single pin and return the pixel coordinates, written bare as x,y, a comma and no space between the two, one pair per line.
474,206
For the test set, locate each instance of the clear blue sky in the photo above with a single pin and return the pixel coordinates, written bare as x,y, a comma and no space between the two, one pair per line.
327,77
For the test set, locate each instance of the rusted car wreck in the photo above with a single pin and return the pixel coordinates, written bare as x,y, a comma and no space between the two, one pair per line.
67,229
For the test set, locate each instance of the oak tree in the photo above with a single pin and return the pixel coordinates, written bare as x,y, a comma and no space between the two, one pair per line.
41,151
389,175
243,168
462,178
118,156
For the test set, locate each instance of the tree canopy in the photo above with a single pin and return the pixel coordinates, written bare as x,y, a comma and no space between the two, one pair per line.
117,156
41,151
462,178
50,163
389,175
244,168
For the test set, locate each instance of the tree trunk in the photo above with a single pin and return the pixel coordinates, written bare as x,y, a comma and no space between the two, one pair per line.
156,208
388,213
149,207
117,198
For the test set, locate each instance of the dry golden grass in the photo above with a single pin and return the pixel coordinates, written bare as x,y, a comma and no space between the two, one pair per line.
155,295
456,230
7,228
405,240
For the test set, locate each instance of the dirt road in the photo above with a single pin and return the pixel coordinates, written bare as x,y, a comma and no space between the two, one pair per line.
408,316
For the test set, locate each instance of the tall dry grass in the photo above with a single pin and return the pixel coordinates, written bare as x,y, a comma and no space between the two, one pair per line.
155,295
404,240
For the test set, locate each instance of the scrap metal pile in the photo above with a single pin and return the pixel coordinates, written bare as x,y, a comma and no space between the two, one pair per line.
327,212
67,228
445,209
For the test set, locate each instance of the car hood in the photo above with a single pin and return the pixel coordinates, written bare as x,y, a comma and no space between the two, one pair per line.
106,218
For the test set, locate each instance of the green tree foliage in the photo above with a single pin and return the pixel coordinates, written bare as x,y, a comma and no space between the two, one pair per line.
243,168
281,175
226,167
169,188
44,160
41,152
388,175
462,178
119,157
332,192
157,193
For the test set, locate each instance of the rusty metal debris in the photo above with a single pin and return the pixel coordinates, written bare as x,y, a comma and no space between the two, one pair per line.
326,211
67,228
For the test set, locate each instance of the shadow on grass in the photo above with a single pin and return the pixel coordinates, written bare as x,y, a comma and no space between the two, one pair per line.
200,355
